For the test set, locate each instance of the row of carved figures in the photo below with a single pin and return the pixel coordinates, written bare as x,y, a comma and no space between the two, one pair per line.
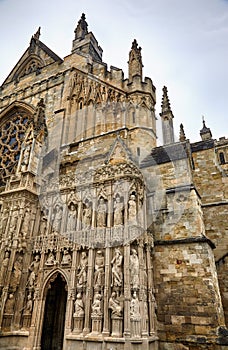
66,260
83,219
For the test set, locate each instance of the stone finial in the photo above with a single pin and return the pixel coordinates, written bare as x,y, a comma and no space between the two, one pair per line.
37,34
165,101
182,136
135,61
82,28
205,132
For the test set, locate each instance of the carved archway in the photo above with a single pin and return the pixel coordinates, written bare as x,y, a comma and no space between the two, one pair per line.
54,313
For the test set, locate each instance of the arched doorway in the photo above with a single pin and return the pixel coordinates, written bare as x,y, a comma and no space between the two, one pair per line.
54,315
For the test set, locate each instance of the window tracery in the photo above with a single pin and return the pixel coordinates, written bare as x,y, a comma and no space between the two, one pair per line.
12,131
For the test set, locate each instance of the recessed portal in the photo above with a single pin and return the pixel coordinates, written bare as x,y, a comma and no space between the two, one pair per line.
54,315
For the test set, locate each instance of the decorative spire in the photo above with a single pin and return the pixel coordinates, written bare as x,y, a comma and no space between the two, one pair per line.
165,101
82,28
205,132
182,136
167,118
135,61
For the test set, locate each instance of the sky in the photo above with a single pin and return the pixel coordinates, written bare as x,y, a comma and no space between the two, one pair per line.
184,47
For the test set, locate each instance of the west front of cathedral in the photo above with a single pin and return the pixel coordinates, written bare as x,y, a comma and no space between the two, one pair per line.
107,241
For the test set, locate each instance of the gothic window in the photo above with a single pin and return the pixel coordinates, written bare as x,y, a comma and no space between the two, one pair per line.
12,131
222,158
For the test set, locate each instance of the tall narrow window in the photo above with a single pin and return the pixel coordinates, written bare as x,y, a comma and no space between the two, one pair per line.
133,117
222,158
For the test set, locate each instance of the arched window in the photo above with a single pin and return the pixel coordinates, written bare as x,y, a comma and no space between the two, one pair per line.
12,130
222,158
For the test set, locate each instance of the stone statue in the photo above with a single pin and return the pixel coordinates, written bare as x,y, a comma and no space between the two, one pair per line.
134,307
43,225
72,216
99,268
34,269
57,218
96,306
117,274
4,219
25,158
82,268
66,259
4,267
26,223
16,274
132,210
29,305
9,307
118,212
79,310
87,216
13,222
50,260
134,269
114,305
101,213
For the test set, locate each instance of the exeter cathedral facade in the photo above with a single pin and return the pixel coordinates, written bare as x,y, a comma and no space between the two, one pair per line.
107,241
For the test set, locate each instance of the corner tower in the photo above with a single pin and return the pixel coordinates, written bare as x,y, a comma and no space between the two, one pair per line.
85,42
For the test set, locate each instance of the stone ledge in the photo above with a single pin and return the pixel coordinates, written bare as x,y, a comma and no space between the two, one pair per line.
186,241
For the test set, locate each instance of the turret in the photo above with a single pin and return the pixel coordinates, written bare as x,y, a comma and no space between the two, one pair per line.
135,61
205,132
85,42
167,118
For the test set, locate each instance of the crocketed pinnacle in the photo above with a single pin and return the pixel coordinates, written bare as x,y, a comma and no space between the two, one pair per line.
165,101
182,136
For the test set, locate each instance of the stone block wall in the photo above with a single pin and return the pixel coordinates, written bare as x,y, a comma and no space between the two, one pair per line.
187,294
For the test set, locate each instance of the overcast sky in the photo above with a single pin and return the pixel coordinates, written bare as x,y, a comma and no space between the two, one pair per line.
184,46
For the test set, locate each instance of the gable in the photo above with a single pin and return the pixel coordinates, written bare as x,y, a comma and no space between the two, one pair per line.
37,56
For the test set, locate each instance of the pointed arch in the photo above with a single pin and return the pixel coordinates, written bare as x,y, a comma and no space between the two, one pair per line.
31,64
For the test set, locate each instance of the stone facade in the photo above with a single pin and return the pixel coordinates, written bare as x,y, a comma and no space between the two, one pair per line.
107,241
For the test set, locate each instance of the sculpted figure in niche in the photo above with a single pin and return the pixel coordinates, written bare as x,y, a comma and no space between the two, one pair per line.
72,216
79,310
26,223
57,218
117,274
82,268
66,259
9,307
16,274
118,212
4,268
13,222
4,219
99,269
134,269
29,305
114,305
50,260
132,210
87,216
34,269
25,158
134,307
96,306
43,225
101,213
